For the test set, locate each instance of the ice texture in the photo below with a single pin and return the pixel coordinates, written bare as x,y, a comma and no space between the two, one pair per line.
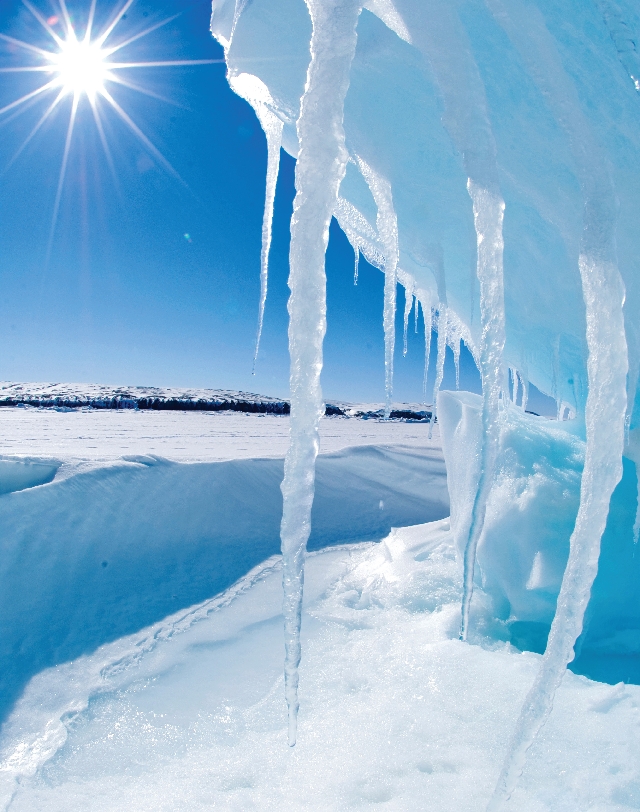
387,225
488,211
321,165
495,157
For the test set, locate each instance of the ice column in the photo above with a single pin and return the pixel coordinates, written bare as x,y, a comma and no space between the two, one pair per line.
426,317
636,524
488,213
455,346
408,301
442,349
387,224
607,366
272,127
321,165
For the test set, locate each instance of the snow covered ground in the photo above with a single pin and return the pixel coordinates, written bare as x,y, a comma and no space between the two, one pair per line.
142,646
103,435
396,713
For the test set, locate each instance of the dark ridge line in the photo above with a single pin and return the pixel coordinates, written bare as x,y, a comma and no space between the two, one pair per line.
276,407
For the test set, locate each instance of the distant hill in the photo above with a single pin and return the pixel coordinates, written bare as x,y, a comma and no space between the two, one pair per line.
96,396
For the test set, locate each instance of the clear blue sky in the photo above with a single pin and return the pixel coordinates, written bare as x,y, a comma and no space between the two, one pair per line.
125,298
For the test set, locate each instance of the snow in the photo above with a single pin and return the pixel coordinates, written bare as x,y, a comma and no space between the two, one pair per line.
103,435
188,714
113,520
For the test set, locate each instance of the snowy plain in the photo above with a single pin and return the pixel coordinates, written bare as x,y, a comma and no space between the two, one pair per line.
142,646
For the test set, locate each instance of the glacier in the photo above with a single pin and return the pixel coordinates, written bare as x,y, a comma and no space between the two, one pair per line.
485,155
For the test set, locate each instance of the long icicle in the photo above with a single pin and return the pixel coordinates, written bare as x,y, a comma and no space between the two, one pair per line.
408,301
636,524
488,214
428,327
272,127
604,415
321,165
607,366
387,224
455,346
442,350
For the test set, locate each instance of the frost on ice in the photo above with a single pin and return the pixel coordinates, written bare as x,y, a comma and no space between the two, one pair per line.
486,156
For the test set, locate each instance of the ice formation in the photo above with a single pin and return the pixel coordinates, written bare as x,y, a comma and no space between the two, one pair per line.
487,153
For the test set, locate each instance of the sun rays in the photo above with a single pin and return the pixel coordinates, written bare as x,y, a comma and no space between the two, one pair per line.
80,63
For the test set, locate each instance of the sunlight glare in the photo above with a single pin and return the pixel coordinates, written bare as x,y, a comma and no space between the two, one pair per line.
81,67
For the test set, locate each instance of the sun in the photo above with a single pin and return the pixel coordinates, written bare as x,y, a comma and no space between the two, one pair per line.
80,65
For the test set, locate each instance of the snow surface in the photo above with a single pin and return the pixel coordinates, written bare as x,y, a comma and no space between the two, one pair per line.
395,714
103,435
113,520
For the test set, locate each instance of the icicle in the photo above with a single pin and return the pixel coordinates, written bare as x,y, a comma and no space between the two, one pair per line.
321,165
636,524
604,415
524,379
455,346
272,127
387,224
426,317
607,367
442,349
408,301
356,252
488,214
416,304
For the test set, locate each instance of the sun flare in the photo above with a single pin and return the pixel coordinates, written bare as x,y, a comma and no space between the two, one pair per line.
81,67
80,64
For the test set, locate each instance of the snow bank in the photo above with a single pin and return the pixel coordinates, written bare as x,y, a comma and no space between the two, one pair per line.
396,713
106,549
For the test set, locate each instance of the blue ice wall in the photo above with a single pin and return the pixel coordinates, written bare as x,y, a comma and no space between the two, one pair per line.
436,84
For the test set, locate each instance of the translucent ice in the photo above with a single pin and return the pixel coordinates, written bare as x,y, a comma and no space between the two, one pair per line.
504,138
321,165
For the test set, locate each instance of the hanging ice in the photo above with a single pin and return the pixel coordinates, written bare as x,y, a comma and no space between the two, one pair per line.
322,160
442,349
428,327
504,142
387,223
408,301
272,127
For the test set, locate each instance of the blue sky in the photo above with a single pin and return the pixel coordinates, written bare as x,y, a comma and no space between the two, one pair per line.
125,298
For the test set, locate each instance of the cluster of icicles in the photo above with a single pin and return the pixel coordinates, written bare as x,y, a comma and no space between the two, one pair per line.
320,168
